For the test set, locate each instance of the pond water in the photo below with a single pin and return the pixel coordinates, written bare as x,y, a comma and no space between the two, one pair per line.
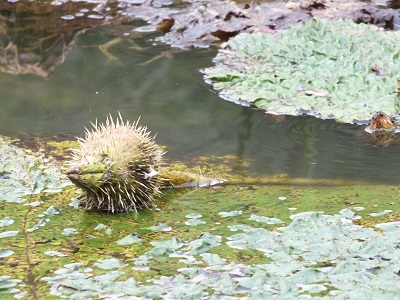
164,86
224,242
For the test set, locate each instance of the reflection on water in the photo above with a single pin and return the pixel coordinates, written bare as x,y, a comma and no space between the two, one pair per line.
35,38
171,98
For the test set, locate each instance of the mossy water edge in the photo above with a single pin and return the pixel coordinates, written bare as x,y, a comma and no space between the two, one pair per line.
226,236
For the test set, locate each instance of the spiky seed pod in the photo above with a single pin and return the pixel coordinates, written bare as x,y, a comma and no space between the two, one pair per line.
117,167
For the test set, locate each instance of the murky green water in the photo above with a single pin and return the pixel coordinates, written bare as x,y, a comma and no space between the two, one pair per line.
221,242
191,120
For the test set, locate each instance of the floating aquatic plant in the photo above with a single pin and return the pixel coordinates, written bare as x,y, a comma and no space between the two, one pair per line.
24,174
332,70
311,255
315,255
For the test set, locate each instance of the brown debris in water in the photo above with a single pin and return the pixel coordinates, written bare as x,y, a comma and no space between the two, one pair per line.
381,129
381,121
313,4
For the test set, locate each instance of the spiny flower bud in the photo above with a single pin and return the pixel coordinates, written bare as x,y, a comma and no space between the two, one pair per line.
117,167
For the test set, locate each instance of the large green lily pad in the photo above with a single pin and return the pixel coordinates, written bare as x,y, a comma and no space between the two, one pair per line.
329,69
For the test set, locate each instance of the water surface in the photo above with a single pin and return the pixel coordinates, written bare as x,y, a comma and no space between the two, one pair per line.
171,98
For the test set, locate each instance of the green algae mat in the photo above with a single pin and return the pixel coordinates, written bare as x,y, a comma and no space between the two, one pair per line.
253,241
257,242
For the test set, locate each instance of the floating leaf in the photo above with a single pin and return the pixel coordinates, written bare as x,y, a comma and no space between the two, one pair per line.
109,264
5,253
193,216
7,283
212,259
55,253
6,222
347,213
160,227
141,263
129,240
204,243
100,227
255,280
224,284
232,213
7,234
240,227
166,247
390,226
34,204
107,230
385,212
40,223
75,203
358,208
266,220
194,222
69,231
312,288
52,210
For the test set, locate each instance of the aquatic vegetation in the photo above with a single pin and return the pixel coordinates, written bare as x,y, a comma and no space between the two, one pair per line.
224,242
329,69
316,254
129,240
249,242
22,173
227,214
160,227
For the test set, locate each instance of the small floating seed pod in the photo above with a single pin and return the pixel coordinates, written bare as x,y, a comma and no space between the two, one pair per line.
117,167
